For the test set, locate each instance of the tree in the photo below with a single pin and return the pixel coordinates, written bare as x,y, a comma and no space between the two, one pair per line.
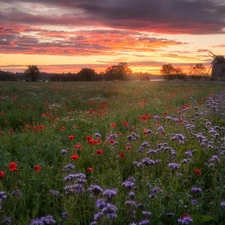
32,73
87,74
199,70
178,71
118,72
167,69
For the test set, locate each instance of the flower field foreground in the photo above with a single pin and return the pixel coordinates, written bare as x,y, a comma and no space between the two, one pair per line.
112,153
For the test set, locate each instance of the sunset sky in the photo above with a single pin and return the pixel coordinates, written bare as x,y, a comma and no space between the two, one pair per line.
67,35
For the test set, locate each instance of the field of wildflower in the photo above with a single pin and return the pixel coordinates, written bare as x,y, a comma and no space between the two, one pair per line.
122,153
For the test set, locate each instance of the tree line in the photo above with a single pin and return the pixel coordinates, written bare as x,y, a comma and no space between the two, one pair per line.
198,71
121,71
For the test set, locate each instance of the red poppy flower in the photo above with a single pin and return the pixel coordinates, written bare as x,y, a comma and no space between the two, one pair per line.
99,152
71,137
125,123
2,174
62,128
1,132
88,138
111,141
165,113
113,125
74,157
122,155
41,127
44,115
198,172
89,169
37,168
132,127
77,146
12,166
11,131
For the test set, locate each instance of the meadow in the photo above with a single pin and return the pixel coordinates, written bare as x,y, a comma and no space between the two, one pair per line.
117,153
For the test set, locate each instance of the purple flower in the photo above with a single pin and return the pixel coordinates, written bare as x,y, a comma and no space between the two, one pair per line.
194,201
6,220
138,164
178,137
64,215
128,184
2,195
101,203
170,214
16,193
97,135
43,221
69,167
64,151
196,189
146,213
185,220
74,189
214,158
98,216
54,192
48,220
147,161
161,129
36,222
95,189
109,208
131,203
156,117
110,193
93,223
174,165
111,215
144,222
222,203
72,177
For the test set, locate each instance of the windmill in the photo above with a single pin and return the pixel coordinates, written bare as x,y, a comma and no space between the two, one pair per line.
217,65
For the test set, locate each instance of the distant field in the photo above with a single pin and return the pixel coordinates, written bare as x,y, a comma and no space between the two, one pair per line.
112,153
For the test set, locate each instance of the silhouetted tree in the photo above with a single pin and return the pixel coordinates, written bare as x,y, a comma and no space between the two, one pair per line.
167,69
118,72
199,70
87,74
32,73
4,76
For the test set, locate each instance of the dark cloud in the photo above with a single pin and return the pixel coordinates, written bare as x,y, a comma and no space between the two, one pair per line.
160,16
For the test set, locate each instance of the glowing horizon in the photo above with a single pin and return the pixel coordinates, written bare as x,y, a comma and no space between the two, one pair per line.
65,36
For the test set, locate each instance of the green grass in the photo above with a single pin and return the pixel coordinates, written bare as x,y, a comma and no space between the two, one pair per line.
36,120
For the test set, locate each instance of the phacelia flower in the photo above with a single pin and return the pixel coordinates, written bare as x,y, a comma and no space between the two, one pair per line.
64,151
